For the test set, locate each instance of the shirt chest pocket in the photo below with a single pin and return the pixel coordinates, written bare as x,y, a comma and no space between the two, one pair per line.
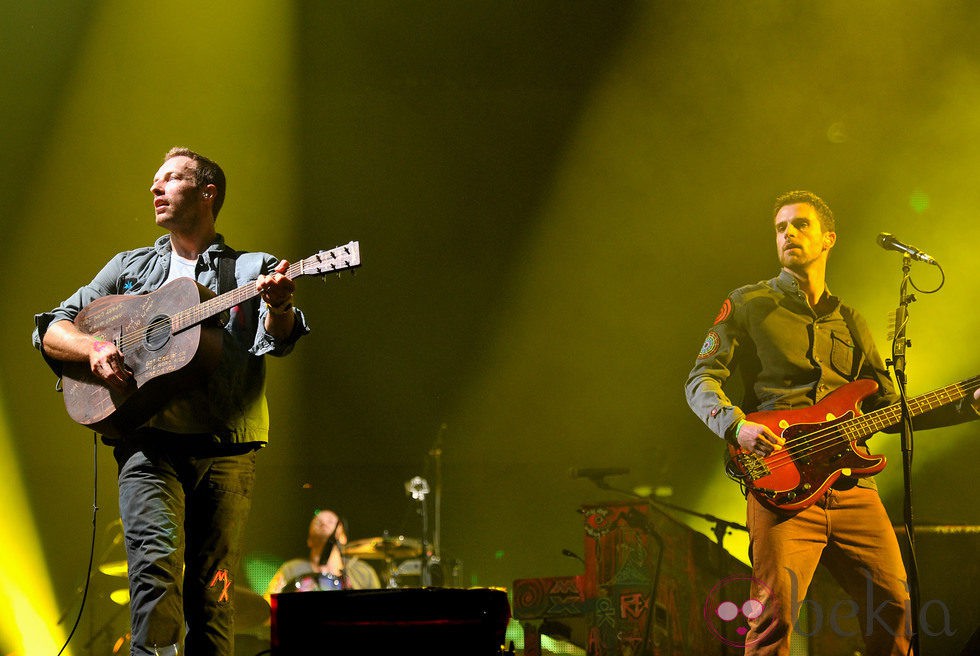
843,355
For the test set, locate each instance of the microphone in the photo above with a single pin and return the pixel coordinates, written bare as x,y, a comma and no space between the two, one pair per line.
890,243
595,473
328,548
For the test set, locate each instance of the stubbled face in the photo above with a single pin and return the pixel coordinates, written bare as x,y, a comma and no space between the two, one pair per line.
177,200
800,238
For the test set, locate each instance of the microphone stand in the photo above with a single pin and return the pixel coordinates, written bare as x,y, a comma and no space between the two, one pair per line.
900,343
418,488
436,453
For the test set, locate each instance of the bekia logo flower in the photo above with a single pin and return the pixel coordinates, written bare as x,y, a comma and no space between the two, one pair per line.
731,605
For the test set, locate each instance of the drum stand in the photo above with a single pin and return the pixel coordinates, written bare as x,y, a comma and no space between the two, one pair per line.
418,488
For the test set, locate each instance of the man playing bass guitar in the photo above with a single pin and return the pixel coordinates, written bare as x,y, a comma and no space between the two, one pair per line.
793,344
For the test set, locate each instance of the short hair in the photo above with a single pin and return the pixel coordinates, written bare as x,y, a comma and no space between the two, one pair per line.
800,196
208,172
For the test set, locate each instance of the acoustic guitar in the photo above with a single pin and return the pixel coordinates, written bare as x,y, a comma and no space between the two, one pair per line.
169,338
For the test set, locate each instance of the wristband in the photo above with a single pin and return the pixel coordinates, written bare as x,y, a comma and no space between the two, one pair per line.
280,310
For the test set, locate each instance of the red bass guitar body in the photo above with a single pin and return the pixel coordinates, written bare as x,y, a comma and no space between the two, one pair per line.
824,442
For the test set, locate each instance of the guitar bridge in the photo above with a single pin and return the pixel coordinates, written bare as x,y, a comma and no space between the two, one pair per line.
753,466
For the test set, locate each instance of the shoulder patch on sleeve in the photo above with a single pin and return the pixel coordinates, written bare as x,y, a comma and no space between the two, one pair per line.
710,346
724,312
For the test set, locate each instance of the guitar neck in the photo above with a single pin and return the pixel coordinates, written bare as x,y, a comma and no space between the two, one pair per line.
213,306
891,415
343,257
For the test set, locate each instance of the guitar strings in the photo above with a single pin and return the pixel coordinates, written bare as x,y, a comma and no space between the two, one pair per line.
164,325
318,263
834,433
160,326
963,387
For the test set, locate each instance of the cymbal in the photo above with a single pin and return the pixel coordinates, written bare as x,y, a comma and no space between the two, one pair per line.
251,609
387,548
114,568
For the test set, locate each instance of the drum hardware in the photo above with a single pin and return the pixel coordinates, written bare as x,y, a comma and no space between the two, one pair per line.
114,568
113,557
384,548
120,596
313,582
251,609
418,489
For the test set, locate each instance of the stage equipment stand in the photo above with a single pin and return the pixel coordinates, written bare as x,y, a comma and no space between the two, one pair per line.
900,342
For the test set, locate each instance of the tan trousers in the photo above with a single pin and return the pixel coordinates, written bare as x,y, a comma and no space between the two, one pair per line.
850,533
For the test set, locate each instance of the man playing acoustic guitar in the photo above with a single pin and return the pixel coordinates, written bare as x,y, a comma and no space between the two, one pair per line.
186,472
793,344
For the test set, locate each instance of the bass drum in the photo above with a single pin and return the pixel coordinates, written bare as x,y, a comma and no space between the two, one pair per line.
312,582
408,574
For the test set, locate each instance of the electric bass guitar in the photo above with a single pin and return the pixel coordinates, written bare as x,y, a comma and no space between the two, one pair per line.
823,442
169,338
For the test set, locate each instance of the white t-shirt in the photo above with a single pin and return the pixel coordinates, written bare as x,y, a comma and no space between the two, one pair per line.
181,267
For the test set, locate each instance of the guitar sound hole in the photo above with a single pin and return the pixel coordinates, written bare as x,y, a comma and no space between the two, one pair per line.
158,333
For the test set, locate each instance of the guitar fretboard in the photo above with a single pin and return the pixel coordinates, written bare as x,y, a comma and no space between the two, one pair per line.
872,422
324,262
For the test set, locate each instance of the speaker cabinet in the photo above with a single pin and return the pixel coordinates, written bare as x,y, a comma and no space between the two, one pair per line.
400,621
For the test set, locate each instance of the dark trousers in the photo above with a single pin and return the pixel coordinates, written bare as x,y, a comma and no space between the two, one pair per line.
180,509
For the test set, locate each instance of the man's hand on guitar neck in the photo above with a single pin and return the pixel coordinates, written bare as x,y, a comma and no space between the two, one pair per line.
276,289
758,438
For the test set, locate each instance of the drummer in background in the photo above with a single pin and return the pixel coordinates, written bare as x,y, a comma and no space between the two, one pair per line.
327,568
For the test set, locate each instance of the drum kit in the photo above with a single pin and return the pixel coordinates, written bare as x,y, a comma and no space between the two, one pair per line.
395,557
397,560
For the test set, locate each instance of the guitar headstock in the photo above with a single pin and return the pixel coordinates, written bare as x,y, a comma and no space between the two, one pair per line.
334,260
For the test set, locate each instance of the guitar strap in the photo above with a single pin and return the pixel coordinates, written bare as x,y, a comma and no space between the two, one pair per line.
226,274
226,281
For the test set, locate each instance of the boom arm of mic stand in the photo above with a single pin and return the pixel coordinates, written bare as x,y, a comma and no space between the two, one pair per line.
720,528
